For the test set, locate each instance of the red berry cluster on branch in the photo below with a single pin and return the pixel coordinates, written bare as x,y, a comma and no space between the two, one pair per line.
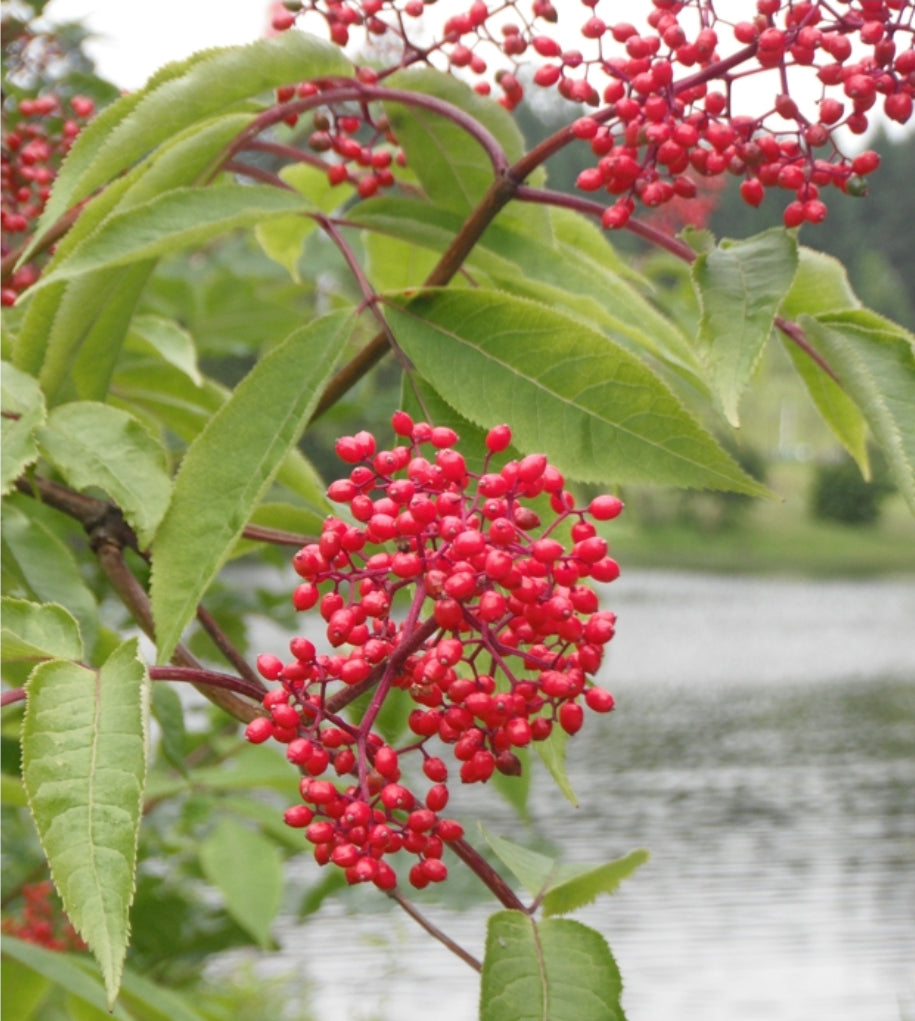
366,160
42,920
670,100
500,635
39,135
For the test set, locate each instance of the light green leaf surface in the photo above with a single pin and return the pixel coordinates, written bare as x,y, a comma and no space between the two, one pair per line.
12,793
563,887
169,340
740,286
250,767
821,285
178,219
838,410
573,271
60,969
572,891
23,411
283,239
875,362
555,970
552,754
33,631
139,1000
94,444
247,869
49,569
168,712
597,412
84,766
23,990
229,466
181,95
452,166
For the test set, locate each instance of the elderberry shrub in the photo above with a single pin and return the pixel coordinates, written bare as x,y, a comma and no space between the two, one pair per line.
496,648
667,103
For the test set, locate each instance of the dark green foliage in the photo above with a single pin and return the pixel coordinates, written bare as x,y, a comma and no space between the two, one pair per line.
840,493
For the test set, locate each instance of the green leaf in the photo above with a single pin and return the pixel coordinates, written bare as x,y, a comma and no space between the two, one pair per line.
167,395
875,362
533,870
169,340
34,631
228,468
575,270
820,285
740,286
84,766
24,990
283,239
71,332
168,712
574,891
247,869
563,887
12,793
839,411
556,970
452,166
94,444
178,219
49,569
139,998
74,330
179,96
23,412
63,970
594,409
516,789
552,754
394,265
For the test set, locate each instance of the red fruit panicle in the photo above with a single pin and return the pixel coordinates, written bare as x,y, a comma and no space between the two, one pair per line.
490,581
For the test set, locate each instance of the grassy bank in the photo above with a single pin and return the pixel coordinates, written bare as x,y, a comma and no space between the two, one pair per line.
777,537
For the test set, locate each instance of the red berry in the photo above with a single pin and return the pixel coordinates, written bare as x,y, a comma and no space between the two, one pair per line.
599,700
571,717
260,729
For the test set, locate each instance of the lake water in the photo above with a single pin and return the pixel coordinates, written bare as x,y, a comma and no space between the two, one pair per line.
763,750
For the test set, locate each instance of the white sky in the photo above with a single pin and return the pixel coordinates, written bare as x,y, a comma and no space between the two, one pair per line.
136,38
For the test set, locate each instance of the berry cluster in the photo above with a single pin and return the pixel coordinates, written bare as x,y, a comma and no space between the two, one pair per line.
366,161
499,635
42,920
39,136
669,100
